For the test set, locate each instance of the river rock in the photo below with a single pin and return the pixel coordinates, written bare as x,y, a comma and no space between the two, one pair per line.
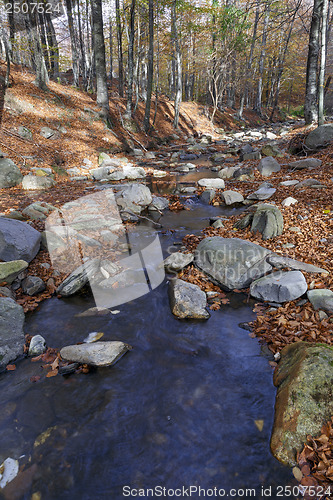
212,183
78,278
268,166
10,270
31,285
187,300
279,287
265,191
158,204
177,261
271,150
232,263
37,345
18,240
305,163
254,155
38,210
95,354
287,202
227,172
134,197
34,182
207,196
280,262
11,331
268,221
10,174
289,183
320,137
232,197
321,299
309,183
304,380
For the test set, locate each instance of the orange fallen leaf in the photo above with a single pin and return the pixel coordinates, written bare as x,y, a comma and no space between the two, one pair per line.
52,373
11,368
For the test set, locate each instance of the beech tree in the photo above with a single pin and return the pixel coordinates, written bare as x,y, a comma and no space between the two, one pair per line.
99,52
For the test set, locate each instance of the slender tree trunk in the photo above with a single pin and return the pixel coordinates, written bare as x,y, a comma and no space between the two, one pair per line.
83,58
53,45
129,104
258,102
178,96
120,52
311,92
72,33
111,50
42,78
150,66
11,23
99,50
321,80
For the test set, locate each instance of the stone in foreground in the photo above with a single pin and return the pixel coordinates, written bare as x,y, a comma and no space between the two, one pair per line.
11,331
232,263
10,174
187,300
304,380
279,287
321,299
268,221
320,137
10,270
96,354
18,240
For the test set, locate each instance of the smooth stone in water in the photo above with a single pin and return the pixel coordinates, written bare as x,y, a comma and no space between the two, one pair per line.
11,331
37,345
207,196
177,261
158,204
95,354
212,183
187,300
279,287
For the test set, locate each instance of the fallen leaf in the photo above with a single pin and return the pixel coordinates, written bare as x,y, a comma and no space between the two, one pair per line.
297,474
52,373
259,424
11,368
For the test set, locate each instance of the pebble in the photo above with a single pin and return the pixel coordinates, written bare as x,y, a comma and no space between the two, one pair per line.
37,345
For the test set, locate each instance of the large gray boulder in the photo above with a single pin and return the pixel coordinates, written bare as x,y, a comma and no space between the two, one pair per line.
187,300
232,263
134,197
232,197
268,166
10,270
18,240
321,299
10,174
268,221
304,380
320,137
211,183
279,287
95,354
11,331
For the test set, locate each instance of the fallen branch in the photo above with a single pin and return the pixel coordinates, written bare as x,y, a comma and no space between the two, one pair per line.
143,217
131,135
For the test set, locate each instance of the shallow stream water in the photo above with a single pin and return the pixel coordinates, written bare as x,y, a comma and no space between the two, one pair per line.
178,410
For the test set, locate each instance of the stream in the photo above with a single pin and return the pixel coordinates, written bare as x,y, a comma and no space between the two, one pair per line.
178,410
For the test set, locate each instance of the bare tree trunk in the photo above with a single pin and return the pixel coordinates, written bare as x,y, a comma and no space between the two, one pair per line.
83,60
42,78
129,104
72,32
53,46
150,66
321,80
120,51
258,102
311,92
99,50
111,50
178,96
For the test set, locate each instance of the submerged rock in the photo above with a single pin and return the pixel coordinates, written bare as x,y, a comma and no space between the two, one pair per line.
279,287
187,300
304,380
232,263
95,354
